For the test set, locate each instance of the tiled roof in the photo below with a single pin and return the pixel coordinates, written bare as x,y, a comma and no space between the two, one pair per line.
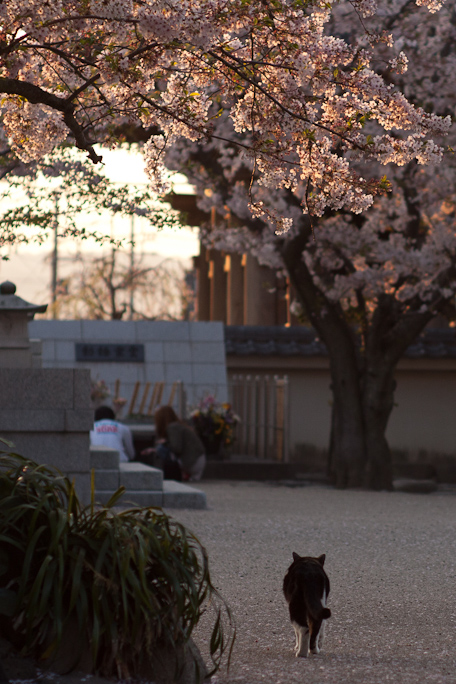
270,340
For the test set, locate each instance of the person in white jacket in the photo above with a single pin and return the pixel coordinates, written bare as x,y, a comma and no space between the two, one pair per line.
109,432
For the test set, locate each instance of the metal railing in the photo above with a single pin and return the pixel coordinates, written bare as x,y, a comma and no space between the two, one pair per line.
262,404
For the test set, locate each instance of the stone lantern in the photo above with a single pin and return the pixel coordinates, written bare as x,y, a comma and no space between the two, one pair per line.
16,348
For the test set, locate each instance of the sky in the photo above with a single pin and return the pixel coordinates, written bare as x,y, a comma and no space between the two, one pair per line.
29,266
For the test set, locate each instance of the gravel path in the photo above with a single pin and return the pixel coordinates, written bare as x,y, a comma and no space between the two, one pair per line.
391,559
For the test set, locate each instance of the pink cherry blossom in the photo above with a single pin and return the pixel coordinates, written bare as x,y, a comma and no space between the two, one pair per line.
304,97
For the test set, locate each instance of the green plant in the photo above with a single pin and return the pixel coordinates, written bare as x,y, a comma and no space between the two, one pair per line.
132,580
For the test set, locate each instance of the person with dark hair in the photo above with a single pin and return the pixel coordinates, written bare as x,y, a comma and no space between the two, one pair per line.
174,437
109,432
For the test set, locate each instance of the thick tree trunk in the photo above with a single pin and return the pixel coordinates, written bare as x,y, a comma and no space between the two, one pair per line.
348,452
362,378
377,402
389,334
348,448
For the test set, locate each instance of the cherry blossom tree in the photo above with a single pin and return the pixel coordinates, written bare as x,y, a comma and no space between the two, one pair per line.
369,283
59,191
82,71
290,107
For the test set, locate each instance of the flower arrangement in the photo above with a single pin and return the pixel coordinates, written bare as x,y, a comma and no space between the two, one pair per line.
214,421
99,391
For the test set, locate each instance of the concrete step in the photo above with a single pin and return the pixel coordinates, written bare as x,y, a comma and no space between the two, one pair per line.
173,495
104,458
144,485
180,495
107,480
138,476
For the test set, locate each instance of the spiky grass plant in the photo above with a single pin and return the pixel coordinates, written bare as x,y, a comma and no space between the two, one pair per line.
133,581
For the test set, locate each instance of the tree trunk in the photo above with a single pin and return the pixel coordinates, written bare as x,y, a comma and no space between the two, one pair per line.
348,449
362,378
348,452
377,402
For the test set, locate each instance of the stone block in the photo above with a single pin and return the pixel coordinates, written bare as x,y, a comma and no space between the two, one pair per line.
213,373
153,352
178,371
63,365
110,372
208,352
109,331
207,331
107,480
15,358
48,351
36,347
65,351
29,420
78,421
69,452
55,330
177,351
163,331
179,495
31,388
155,372
104,458
82,486
138,477
36,361
131,499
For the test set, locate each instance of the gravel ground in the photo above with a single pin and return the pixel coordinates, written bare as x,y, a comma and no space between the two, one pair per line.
391,560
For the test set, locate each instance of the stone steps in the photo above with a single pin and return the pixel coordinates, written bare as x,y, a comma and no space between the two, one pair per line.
144,485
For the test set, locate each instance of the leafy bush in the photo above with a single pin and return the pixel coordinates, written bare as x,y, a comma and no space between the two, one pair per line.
133,580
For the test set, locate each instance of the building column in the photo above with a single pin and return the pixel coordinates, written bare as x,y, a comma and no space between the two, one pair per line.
203,285
235,289
217,278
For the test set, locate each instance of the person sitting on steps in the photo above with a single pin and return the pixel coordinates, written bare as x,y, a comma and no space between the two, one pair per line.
173,436
109,432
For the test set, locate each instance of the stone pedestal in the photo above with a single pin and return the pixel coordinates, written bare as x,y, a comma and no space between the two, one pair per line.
46,414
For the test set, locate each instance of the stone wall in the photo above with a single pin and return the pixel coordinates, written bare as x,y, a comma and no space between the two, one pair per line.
46,414
190,352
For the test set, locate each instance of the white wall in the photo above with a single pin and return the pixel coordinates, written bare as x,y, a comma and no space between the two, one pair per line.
423,418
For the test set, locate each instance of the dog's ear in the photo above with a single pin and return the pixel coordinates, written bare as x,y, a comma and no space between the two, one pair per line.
321,559
296,557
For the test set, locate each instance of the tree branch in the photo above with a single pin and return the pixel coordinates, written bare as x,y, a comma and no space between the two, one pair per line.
36,95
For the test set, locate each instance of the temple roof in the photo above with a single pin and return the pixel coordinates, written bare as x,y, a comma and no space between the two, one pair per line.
271,340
